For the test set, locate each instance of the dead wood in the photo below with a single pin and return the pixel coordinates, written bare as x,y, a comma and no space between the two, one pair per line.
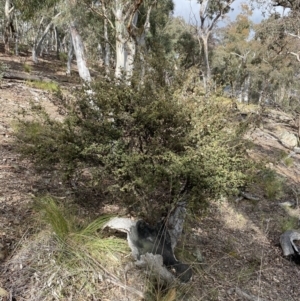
287,242
25,76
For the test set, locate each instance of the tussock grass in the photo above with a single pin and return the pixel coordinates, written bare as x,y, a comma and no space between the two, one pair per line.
84,256
289,223
27,68
80,257
53,216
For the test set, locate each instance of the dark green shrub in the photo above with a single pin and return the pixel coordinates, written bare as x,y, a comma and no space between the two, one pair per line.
140,144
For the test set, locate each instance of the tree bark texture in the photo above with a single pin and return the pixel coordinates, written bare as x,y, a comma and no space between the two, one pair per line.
83,70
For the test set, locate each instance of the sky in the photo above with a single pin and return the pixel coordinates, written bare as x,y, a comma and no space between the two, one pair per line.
184,7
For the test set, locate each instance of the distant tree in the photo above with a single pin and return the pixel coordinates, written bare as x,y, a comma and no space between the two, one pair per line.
130,22
9,26
210,12
233,53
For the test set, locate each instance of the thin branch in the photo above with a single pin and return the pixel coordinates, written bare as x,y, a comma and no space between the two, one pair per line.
293,35
297,55
104,15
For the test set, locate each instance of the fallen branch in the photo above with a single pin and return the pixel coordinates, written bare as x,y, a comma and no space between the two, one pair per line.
287,242
175,223
25,76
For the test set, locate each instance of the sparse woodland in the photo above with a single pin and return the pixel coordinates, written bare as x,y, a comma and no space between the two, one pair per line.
119,108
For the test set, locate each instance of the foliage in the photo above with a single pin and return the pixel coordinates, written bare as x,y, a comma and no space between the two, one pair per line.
272,184
188,48
53,216
289,223
141,144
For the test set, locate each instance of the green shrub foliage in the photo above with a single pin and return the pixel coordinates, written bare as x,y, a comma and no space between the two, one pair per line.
140,144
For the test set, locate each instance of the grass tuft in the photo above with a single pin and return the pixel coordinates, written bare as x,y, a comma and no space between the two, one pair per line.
53,216
27,68
47,86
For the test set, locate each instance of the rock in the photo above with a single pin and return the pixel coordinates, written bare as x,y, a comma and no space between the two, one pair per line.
297,150
288,139
3,293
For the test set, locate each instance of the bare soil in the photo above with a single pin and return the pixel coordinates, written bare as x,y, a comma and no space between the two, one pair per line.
238,239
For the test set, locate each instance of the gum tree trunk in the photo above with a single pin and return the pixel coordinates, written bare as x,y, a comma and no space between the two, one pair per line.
37,45
83,70
8,24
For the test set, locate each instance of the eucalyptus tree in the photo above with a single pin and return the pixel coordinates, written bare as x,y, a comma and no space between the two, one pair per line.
233,55
280,39
9,26
210,12
130,22
39,17
276,70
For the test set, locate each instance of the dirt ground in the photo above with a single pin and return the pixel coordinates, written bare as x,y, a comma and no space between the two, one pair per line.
238,239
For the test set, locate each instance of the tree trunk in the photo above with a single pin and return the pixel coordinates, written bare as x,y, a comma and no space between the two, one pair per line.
245,89
38,44
131,50
17,37
57,42
8,25
121,52
83,70
107,48
70,57
206,59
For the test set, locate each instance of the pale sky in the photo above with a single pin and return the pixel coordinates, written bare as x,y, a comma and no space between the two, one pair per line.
185,8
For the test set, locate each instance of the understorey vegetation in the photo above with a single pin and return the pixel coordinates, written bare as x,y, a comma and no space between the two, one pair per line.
143,144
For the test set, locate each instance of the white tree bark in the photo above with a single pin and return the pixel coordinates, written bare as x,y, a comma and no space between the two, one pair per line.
125,14
83,70
121,52
8,23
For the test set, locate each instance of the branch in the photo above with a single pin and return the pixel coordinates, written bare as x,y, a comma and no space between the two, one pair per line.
295,54
220,14
10,11
102,15
293,35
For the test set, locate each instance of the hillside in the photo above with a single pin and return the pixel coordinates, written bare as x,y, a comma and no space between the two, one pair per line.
238,239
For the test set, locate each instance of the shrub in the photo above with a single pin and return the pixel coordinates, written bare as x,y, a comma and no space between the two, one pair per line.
141,144
63,56
272,184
